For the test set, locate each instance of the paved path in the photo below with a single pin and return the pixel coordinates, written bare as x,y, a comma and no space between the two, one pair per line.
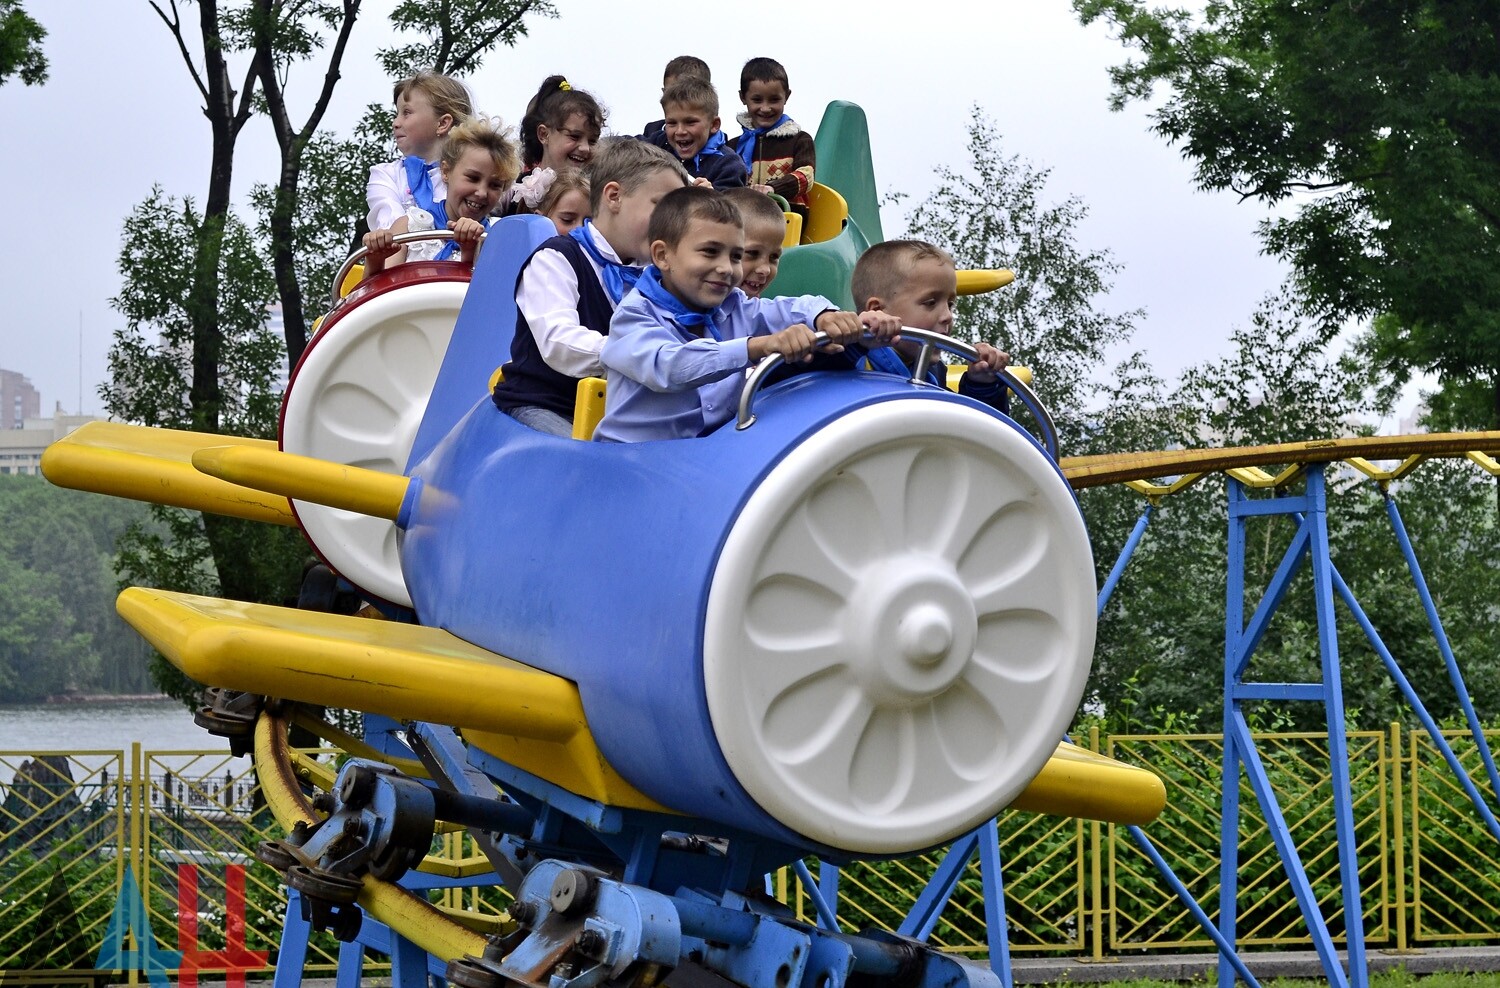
1033,970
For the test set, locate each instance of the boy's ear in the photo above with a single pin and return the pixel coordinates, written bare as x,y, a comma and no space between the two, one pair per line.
713,128
659,251
873,304
445,124
609,196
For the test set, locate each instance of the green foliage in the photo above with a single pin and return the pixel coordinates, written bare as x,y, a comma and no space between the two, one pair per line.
151,382
1388,113
993,214
459,33
21,45
151,360
331,200
1159,658
58,629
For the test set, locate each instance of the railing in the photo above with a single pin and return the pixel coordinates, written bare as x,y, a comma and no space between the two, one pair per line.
81,832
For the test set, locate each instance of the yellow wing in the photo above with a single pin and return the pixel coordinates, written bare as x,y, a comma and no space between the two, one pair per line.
529,718
156,465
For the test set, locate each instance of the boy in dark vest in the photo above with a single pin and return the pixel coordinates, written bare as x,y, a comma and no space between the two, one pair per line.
567,291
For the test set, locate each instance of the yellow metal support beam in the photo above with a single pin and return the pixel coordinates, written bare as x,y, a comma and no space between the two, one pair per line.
366,492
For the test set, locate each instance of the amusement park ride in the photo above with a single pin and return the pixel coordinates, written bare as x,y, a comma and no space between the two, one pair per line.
854,624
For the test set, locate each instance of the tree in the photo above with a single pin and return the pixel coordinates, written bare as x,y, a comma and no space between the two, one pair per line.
150,383
285,32
21,45
1378,121
58,627
458,36
993,215
460,33
1159,659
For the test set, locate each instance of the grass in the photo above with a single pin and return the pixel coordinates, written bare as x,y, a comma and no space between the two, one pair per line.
1399,978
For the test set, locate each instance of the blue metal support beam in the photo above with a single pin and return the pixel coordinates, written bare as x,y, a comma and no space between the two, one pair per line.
1310,542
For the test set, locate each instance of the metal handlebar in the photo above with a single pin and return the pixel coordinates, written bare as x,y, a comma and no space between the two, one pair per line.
930,341
398,240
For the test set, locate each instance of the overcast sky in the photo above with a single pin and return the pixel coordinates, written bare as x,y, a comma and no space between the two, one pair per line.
119,113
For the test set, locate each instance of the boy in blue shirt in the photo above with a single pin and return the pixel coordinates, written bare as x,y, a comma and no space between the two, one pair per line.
917,282
679,343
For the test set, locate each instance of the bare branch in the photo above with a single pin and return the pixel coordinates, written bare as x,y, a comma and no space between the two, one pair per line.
331,77
247,89
461,63
175,26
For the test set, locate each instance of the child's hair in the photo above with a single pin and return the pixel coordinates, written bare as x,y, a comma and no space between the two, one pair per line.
763,70
552,105
692,93
755,205
629,163
678,208
445,93
882,269
561,185
487,135
687,65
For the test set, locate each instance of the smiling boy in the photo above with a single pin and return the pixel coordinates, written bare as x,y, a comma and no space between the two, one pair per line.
691,132
765,232
679,342
780,155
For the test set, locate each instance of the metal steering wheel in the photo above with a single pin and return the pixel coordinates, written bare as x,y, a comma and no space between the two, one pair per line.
930,341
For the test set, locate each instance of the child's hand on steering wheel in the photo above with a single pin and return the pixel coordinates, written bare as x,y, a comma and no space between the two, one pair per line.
991,359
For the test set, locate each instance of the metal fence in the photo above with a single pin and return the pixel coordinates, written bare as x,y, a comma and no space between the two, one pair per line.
85,833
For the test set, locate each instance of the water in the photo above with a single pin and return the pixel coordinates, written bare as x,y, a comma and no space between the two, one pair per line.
159,725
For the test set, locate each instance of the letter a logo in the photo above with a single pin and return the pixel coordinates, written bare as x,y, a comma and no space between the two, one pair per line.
130,918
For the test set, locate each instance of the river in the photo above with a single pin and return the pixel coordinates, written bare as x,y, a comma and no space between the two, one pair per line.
160,725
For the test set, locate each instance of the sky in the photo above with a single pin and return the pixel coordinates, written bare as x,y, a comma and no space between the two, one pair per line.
120,114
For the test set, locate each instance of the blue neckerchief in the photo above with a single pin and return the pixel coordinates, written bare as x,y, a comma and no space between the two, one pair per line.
748,138
419,180
439,213
886,359
712,149
619,278
650,286
451,247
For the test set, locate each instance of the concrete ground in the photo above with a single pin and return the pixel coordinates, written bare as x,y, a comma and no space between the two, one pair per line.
1278,964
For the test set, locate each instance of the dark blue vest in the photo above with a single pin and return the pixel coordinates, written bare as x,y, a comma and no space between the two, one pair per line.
528,378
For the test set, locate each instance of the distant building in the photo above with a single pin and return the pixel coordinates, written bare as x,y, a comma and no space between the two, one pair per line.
21,446
19,401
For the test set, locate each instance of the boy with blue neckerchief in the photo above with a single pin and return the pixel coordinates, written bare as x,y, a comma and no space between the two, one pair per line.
679,343
917,283
779,154
569,288
691,132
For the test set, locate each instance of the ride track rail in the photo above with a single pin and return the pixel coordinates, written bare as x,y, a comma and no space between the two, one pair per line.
403,911
1187,466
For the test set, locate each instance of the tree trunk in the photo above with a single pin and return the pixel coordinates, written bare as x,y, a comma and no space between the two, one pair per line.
292,143
293,316
204,400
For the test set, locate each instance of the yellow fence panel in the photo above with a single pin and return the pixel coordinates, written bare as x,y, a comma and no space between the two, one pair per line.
202,818
62,823
1455,882
1145,915
74,824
